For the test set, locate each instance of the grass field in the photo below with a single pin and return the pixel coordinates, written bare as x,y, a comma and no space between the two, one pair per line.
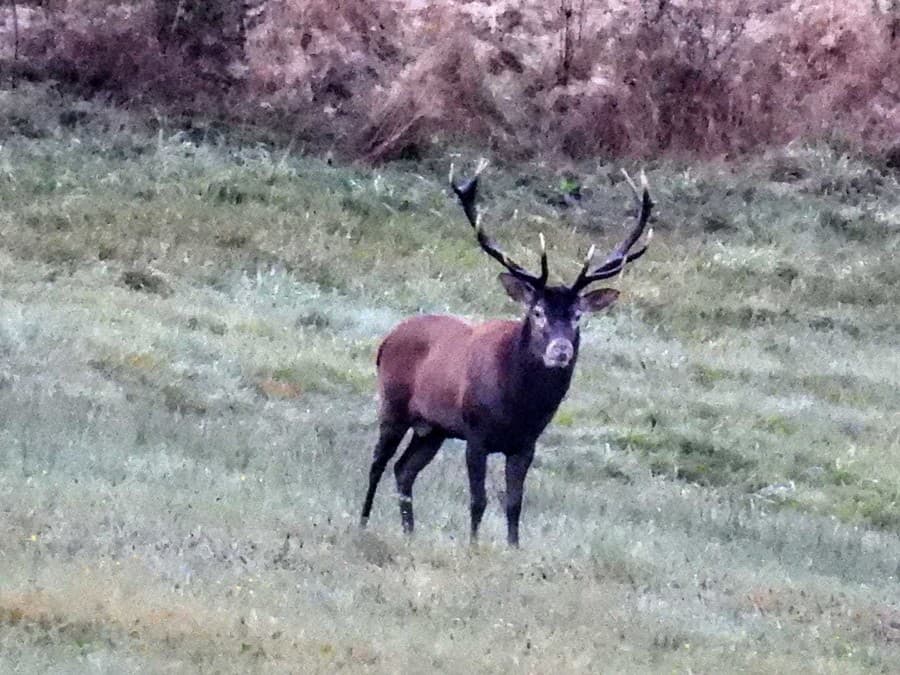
187,331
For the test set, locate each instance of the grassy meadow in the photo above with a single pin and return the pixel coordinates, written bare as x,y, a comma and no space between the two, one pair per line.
187,413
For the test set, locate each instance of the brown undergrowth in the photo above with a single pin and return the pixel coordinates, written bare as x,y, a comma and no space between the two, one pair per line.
383,81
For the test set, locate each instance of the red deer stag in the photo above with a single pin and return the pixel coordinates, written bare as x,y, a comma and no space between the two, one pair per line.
496,384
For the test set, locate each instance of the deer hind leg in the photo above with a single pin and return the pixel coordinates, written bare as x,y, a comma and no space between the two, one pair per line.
421,450
389,439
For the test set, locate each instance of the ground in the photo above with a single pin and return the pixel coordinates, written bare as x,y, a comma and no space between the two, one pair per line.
187,413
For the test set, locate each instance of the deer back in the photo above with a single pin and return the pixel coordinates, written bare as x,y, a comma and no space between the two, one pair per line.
438,370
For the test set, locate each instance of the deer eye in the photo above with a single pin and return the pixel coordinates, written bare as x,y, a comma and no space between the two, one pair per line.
576,316
538,313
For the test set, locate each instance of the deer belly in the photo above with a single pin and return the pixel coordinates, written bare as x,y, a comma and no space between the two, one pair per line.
437,407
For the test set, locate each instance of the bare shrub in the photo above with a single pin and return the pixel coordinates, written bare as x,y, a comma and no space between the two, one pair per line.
96,47
209,34
838,73
314,64
671,82
322,51
382,80
715,77
678,67
443,91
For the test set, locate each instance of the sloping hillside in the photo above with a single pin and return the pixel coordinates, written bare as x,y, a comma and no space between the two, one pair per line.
187,331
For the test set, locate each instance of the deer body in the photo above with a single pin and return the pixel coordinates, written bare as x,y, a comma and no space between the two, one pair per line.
464,381
495,385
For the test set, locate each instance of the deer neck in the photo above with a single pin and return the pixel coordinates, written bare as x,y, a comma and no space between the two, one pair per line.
537,389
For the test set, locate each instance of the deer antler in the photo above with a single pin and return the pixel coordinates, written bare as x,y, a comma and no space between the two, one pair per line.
615,262
467,192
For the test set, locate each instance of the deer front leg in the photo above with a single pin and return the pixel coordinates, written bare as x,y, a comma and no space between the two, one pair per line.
516,469
476,463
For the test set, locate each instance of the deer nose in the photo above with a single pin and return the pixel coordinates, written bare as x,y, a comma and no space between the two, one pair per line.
558,353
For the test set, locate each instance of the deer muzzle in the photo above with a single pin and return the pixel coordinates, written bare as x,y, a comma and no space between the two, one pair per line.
559,353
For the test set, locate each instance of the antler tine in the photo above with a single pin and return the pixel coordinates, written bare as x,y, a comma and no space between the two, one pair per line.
545,268
620,256
584,268
645,205
467,192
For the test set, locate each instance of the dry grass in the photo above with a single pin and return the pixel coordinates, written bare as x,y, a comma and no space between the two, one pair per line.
572,80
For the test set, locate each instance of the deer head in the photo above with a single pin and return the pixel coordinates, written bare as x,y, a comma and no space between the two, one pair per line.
553,313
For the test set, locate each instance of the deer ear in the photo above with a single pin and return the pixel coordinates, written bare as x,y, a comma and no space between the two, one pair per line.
597,300
517,289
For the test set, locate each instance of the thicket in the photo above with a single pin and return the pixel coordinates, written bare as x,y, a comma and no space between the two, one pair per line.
574,78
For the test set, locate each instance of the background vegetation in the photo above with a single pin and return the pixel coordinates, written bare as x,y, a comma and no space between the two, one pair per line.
570,78
193,284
